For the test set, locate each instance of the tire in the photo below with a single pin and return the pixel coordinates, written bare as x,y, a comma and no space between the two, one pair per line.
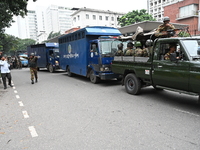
51,69
132,84
69,72
93,78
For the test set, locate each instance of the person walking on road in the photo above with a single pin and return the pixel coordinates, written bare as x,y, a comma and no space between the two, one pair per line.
33,66
5,72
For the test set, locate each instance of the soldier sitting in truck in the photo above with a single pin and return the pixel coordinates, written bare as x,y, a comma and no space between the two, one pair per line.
120,50
129,50
172,49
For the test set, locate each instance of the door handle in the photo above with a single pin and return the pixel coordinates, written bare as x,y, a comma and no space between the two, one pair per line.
160,66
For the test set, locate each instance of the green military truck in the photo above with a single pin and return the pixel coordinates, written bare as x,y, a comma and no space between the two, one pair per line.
181,72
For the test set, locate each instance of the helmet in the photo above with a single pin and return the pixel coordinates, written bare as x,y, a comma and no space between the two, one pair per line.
166,19
129,44
137,44
120,46
32,54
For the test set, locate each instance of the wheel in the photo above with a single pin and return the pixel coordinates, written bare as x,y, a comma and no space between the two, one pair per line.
132,84
51,69
93,78
69,72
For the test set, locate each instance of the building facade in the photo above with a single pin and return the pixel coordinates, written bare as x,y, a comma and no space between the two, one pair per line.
27,27
84,17
156,9
185,12
58,19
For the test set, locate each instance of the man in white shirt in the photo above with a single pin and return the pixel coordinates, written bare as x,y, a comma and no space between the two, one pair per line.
5,72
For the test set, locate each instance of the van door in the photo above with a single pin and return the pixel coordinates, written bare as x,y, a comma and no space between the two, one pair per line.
94,56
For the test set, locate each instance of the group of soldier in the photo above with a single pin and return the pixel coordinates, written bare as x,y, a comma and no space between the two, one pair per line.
132,50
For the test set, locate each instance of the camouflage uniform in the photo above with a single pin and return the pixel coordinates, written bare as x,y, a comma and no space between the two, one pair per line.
163,27
167,56
33,67
138,52
119,53
129,52
145,52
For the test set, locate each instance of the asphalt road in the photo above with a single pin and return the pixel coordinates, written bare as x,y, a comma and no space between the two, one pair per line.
71,113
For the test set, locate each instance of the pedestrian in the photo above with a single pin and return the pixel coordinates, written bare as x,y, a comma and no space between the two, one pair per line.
5,72
163,28
33,66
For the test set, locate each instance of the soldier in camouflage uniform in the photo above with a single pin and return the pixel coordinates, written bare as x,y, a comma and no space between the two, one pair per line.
129,50
138,50
33,66
120,50
162,29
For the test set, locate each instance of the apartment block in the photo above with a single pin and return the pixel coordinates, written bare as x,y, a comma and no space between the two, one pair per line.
84,17
185,12
155,7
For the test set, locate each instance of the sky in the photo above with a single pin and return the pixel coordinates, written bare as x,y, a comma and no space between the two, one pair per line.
124,6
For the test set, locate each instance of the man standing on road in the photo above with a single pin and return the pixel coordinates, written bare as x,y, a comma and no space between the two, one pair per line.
5,72
33,66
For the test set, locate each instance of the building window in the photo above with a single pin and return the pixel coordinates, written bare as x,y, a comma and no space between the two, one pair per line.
74,19
112,18
100,17
87,16
106,18
78,17
188,10
94,17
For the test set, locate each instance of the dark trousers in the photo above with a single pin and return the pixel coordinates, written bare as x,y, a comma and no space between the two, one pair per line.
4,76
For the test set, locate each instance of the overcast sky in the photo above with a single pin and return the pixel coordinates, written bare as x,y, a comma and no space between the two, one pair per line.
112,5
124,6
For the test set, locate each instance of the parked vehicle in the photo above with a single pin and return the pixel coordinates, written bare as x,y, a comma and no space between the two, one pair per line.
48,54
87,52
24,62
181,73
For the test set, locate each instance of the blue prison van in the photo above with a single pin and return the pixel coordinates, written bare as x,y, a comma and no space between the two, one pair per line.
88,52
48,55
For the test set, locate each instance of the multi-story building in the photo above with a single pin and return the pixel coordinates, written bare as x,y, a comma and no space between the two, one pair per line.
27,27
84,17
155,7
58,19
185,12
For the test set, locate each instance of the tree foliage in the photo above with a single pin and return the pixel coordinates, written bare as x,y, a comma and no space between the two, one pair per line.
10,44
134,17
52,35
9,9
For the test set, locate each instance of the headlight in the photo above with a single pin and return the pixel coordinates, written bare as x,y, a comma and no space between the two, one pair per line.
104,68
56,62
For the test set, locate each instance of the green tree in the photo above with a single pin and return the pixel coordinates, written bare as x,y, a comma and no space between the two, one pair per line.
52,35
134,17
23,43
9,9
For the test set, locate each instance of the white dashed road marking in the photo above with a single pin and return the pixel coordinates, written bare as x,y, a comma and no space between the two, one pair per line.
20,103
15,91
25,114
17,96
32,131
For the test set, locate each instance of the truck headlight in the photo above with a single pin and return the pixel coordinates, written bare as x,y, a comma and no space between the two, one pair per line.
56,62
104,68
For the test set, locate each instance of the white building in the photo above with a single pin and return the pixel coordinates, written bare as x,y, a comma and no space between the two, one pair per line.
92,17
155,7
27,27
58,19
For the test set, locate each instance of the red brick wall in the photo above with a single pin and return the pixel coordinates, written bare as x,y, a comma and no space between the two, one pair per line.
172,11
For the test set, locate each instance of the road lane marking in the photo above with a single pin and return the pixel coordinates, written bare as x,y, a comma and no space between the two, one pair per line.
17,96
32,131
15,91
20,103
25,114
187,112
14,87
